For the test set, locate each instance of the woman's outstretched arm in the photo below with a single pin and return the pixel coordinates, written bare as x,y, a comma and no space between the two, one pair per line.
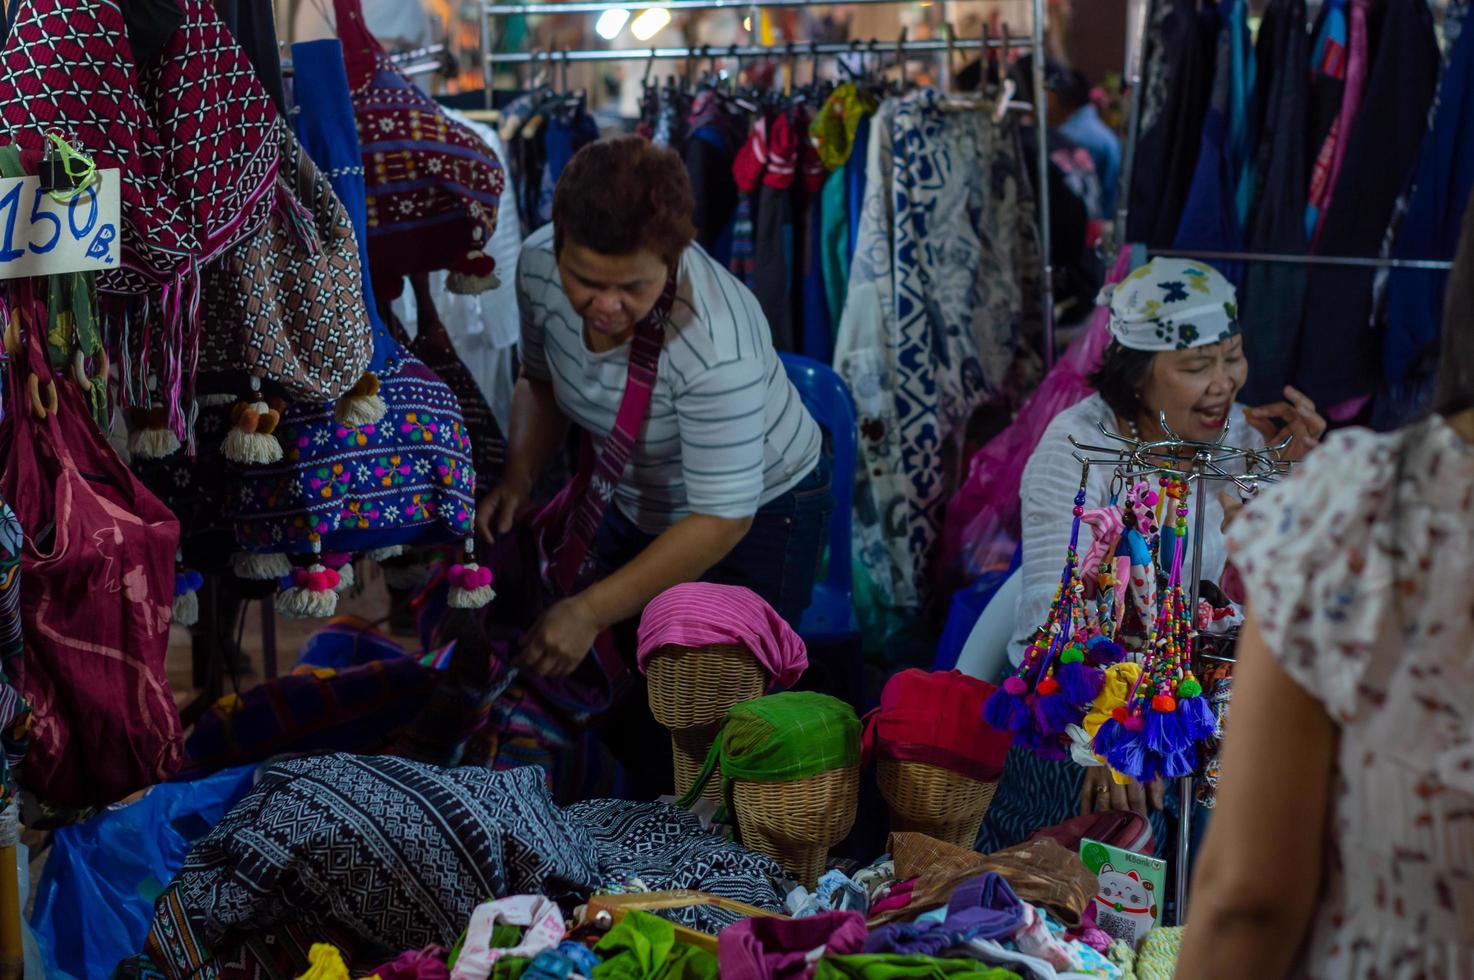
1256,886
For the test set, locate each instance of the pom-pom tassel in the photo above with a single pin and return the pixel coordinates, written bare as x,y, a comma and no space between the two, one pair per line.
343,565
362,405
1107,735
1176,765
252,440
186,597
1053,713
260,567
1104,653
313,594
470,586
473,274
1006,710
1164,732
1197,715
151,437
1079,682
1128,755
1047,747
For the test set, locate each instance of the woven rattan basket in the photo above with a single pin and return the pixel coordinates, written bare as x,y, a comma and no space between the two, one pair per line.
797,822
933,801
691,690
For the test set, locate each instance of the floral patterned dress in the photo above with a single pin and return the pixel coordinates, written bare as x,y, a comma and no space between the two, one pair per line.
1361,571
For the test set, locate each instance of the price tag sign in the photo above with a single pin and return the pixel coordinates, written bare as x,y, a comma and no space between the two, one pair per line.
40,237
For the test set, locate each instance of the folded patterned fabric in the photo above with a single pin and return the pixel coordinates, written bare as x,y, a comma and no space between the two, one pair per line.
785,949
667,849
387,854
697,614
835,892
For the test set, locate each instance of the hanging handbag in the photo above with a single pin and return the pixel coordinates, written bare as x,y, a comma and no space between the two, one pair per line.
99,570
286,306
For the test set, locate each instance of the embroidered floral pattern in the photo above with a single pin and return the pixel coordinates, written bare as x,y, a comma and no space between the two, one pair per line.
411,468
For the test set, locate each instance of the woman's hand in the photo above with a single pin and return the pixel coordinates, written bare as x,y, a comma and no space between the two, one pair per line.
1296,416
1233,505
498,510
560,639
1101,792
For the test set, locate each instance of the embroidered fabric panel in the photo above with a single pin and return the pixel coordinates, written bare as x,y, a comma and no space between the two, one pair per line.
667,849
407,477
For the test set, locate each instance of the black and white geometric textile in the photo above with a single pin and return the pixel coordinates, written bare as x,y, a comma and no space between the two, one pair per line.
394,852
667,849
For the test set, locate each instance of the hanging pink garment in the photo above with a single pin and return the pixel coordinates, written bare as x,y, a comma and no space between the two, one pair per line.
982,526
1356,76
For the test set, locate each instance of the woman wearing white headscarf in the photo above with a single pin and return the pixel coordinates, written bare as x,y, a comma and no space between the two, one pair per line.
1175,351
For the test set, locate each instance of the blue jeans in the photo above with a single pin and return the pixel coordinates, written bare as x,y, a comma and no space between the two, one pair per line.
778,558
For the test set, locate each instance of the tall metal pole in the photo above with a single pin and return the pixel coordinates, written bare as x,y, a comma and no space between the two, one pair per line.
1133,119
488,67
1041,134
1201,459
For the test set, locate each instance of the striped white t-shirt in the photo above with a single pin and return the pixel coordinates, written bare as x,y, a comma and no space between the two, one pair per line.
726,431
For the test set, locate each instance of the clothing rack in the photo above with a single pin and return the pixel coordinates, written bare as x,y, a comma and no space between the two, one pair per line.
1135,459
903,50
1137,28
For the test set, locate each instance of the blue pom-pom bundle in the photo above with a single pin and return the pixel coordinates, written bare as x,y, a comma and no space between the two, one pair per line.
1053,713
1006,712
1080,683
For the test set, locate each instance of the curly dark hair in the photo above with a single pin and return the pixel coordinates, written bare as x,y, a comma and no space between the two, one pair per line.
1120,376
619,196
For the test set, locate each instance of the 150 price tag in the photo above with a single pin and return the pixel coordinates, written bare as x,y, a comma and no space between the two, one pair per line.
39,237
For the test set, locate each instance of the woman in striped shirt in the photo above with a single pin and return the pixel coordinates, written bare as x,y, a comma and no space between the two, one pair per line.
726,481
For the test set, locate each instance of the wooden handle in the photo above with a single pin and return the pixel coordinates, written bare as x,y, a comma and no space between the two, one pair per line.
12,953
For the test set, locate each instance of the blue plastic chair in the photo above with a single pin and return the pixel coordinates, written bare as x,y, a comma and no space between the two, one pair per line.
831,613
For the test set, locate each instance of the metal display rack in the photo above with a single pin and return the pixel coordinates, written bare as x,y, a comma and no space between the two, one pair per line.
903,49
1207,462
1137,28
1203,467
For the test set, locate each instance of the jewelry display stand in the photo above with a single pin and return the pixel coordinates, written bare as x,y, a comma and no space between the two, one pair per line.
1200,464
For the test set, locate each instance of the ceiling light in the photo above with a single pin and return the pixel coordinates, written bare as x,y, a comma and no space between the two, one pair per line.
611,22
650,23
